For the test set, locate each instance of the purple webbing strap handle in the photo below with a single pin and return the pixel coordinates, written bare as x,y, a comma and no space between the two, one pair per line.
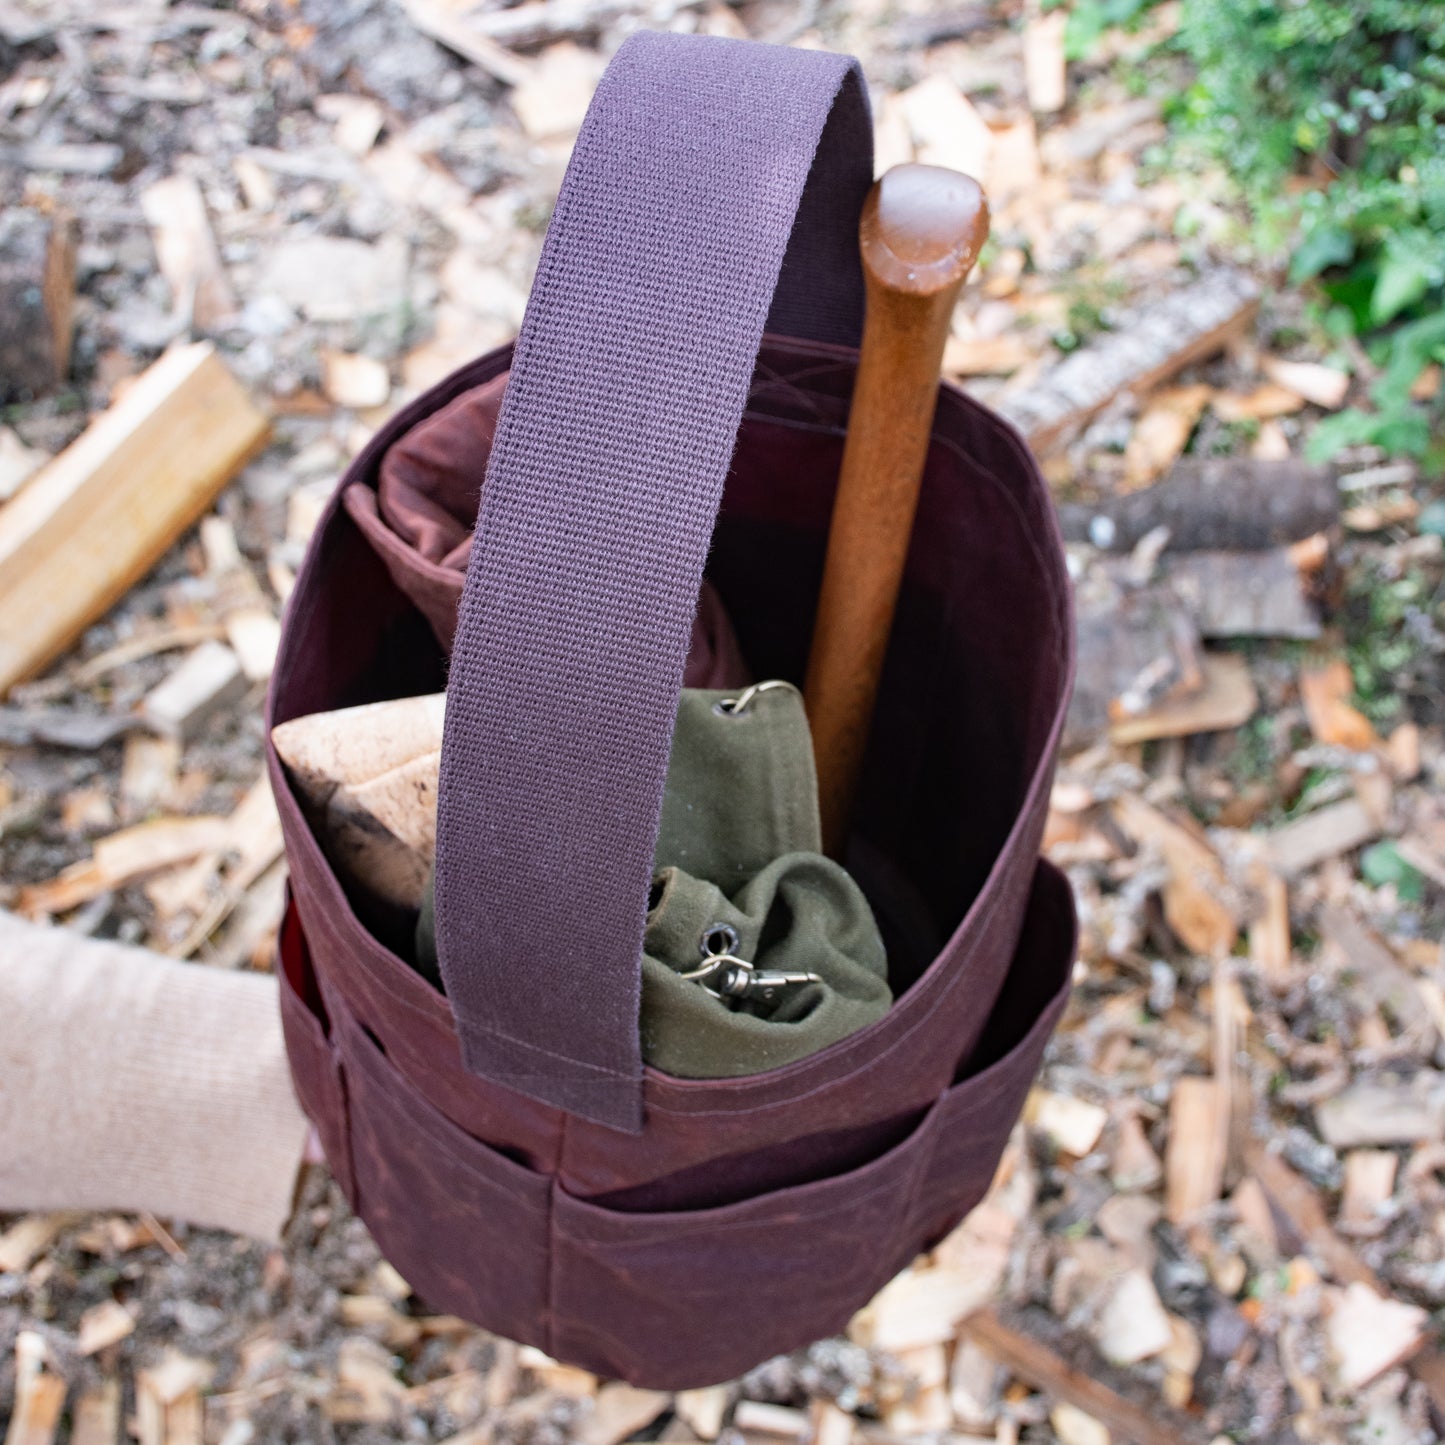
708,175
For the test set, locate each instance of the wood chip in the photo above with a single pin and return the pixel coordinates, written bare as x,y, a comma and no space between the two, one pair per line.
1322,385
1325,692
1133,1325
1325,833
924,1409
97,1415
27,1239
1264,402
551,102
39,1394
103,1325
973,1387
99,516
831,1425
1045,74
1162,432
1072,1125
1196,899
1369,1334
186,251
1227,699
1074,1427
946,129
1369,1184
207,679
922,1306
1194,1161
1373,1113
354,380
618,1412
704,1410
755,1417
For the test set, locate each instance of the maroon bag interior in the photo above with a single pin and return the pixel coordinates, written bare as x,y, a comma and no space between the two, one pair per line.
666,1231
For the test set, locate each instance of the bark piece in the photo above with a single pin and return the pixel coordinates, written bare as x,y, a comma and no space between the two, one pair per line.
37,302
1187,326
1213,504
1244,594
99,516
211,677
186,251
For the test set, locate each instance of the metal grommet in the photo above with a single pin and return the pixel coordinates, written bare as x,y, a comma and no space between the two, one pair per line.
718,939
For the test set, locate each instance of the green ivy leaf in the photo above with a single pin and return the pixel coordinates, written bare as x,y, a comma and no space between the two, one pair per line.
1383,864
1323,246
1404,278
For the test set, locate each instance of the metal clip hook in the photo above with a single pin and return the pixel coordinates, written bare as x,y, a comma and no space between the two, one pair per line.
737,977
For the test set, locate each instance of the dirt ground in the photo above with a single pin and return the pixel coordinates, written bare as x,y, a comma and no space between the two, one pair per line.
1224,1205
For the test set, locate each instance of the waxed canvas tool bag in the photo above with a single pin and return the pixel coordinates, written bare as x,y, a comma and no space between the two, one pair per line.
675,407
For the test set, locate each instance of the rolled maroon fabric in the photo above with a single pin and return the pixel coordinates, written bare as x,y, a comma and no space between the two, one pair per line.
422,513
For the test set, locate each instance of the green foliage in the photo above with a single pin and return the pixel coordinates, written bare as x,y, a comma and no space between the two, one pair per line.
1330,115
1382,864
1089,19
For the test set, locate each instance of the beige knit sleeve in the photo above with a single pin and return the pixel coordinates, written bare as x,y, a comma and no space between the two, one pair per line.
131,1082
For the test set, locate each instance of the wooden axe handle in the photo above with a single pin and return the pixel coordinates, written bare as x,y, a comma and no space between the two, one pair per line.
921,231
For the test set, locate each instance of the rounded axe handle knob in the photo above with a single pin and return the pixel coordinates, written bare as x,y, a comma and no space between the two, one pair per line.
921,230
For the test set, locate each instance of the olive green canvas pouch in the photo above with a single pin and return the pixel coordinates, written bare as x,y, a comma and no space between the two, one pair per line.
784,954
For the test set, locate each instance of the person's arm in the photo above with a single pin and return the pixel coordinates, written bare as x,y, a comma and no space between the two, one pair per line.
131,1082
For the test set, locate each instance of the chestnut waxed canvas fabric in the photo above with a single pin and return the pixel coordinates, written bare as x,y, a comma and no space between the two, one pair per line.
733,1218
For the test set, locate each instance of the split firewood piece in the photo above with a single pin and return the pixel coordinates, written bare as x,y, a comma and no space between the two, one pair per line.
168,1405
123,858
1198,902
39,1394
186,251
370,776
37,301
1193,323
1231,504
100,515
1032,1345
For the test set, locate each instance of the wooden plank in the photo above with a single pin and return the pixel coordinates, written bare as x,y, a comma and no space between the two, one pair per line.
98,517
1187,326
